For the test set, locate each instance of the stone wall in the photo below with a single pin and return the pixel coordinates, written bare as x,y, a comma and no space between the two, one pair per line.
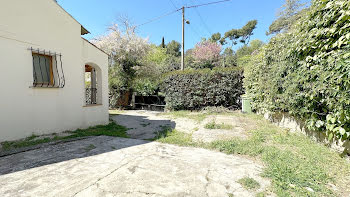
286,121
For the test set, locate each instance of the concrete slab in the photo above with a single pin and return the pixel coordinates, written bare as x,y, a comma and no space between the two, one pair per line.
109,166
142,124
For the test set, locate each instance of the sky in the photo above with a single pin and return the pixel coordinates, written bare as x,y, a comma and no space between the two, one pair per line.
97,15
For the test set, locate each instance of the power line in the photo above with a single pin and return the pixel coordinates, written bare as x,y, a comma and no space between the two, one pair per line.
159,17
192,28
202,20
195,6
173,4
167,14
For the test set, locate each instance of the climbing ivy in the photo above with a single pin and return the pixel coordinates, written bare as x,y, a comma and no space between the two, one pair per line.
306,70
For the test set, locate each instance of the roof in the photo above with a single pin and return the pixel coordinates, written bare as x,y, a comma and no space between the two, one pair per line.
95,46
83,29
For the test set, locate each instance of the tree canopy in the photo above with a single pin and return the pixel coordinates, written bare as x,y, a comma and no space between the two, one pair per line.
173,48
289,13
240,35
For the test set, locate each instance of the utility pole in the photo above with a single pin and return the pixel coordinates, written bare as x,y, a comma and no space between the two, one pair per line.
183,39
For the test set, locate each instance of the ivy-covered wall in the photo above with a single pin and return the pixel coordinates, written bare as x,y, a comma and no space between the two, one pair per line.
306,70
195,89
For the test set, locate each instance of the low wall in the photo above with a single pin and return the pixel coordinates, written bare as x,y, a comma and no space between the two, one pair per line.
286,121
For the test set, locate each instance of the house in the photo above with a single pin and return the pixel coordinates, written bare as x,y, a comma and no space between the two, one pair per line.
44,61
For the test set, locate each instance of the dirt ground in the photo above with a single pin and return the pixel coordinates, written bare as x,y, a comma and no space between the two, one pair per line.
110,166
144,124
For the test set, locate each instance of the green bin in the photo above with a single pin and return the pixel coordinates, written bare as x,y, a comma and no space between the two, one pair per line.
246,107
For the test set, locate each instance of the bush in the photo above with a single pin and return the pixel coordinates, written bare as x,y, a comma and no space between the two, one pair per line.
195,89
305,71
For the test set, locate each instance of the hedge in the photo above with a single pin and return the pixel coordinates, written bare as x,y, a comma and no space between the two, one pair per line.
306,71
195,89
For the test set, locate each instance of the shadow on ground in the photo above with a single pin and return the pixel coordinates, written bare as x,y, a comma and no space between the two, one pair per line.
143,127
140,128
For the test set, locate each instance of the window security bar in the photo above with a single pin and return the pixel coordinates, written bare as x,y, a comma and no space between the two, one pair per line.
47,69
90,96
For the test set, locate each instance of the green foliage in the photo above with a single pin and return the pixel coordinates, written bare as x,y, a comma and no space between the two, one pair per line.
296,165
178,138
290,12
229,58
195,89
214,125
244,54
156,55
249,183
173,48
112,129
163,43
240,35
198,117
305,71
145,86
253,46
215,37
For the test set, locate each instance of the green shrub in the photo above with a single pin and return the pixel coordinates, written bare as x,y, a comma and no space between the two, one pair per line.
305,71
195,89
145,86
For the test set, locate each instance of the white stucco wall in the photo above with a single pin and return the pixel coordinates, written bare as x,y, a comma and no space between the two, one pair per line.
24,110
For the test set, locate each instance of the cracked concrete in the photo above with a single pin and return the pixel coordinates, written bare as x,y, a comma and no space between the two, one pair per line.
125,167
143,125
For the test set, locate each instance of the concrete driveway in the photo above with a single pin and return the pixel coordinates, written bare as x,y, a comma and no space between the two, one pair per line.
109,166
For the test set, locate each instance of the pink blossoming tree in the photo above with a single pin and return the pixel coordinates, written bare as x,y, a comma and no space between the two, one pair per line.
206,54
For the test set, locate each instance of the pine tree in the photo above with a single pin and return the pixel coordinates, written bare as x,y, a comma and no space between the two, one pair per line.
163,43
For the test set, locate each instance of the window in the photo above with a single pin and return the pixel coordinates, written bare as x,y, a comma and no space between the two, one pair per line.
42,69
47,69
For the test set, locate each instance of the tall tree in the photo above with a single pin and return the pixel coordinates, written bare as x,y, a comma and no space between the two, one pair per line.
126,50
163,43
240,35
173,48
249,49
288,13
215,37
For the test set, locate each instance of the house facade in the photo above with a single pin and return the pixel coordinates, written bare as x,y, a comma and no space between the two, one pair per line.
45,65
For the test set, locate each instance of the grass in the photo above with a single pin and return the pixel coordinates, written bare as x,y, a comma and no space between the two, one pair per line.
90,147
296,165
115,112
197,116
249,183
29,141
214,125
112,129
145,124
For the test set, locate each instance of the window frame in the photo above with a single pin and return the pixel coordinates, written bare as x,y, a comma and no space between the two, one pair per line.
50,68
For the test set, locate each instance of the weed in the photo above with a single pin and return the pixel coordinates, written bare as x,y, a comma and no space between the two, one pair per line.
23,143
115,112
197,116
145,124
112,129
261,194
90,147
296,165
178,138
213,125
249,183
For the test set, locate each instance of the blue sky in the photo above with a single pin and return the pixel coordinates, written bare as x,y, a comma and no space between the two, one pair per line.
97,15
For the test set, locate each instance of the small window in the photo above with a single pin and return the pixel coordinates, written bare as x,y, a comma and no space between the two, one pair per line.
42,69
47,69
